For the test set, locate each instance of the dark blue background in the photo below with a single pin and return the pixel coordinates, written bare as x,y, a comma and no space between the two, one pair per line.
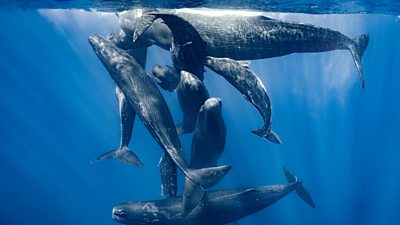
58,112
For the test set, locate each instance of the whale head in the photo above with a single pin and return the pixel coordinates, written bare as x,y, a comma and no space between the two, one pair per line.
212,106
135,213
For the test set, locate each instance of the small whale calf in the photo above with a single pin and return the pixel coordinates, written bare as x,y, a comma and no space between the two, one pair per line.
217,208
249,84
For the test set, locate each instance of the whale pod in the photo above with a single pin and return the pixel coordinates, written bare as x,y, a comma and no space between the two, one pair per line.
150,106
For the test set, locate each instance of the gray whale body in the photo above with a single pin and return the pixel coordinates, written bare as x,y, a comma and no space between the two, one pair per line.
252,88
217,208
249,37
127,117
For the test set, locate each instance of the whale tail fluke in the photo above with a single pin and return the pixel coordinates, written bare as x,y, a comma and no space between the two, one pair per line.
123,154
301,190
142,24
208,177
196,181
192,195
268,134
357,49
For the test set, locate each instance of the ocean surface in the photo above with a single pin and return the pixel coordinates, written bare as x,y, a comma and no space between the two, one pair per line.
58,112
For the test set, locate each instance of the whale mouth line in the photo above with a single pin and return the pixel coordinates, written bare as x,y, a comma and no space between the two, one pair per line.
118,214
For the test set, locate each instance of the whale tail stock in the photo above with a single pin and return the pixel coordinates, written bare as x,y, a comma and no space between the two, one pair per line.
196,182
301,190
123,154
357,48
268,134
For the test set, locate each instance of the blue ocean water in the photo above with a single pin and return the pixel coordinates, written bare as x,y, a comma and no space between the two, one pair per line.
58,112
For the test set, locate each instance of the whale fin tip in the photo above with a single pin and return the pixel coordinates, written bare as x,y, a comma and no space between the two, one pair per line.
123,154
268,134
300,190
357,49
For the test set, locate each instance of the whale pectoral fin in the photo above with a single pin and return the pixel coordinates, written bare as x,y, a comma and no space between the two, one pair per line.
143,24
